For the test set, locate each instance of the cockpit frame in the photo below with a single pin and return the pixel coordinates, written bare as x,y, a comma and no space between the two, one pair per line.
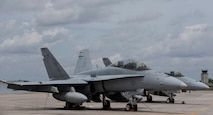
131,65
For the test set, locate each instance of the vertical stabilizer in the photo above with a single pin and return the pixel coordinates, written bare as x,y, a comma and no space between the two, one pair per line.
83,62
106,61
54,69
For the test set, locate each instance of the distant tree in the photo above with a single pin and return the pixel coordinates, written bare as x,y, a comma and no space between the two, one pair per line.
210,80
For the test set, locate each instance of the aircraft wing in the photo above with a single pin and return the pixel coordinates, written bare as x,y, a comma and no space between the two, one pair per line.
45,86
56,85
80,80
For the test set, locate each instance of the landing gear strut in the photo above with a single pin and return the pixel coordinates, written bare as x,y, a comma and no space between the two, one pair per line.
149,98
132,104
68,105
106,103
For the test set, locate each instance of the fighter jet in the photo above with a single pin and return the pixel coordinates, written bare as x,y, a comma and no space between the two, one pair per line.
121,76
191,85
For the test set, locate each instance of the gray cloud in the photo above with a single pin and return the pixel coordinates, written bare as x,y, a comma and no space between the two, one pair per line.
69,12
194,41
143,19
30,41
21,5
166,34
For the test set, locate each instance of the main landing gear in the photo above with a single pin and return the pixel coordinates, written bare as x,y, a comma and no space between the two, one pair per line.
131,105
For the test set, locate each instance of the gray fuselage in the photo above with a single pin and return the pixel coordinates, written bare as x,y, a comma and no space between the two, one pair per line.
148,79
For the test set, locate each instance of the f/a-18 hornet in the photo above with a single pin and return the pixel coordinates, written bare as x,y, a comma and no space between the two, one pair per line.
191,85
121,76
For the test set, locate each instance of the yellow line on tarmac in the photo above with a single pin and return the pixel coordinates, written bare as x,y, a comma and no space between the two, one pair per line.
199,111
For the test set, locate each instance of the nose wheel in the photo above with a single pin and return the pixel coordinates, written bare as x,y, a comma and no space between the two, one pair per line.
130,107
171,98
132,104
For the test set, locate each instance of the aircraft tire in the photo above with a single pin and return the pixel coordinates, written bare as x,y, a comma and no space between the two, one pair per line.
128,107
170,100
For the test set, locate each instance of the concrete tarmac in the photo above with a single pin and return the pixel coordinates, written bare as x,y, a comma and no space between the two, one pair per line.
196,103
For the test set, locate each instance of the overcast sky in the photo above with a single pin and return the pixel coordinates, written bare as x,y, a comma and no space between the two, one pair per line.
166,35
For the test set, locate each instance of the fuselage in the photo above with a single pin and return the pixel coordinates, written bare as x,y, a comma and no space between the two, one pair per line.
193,84
149,79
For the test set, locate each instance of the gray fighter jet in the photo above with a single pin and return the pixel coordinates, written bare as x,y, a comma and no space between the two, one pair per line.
121,76
191,85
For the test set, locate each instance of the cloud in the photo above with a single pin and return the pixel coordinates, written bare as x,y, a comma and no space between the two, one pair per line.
193,41
7,28
56,17
116,57
187,17
31,41
21,5
79,12
141,19
55,35
171,35
20,44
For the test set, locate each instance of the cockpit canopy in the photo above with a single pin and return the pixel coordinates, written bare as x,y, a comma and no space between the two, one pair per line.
175,74
131,65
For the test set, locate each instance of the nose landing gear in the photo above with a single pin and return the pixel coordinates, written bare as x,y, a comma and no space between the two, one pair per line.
170,99
132,104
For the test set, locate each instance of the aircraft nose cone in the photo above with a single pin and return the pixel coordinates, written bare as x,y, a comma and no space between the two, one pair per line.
182,85
207,87
174,84
202,85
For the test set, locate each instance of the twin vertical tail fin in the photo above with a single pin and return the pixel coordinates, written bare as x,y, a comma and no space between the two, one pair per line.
54,69
106,61
84,62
